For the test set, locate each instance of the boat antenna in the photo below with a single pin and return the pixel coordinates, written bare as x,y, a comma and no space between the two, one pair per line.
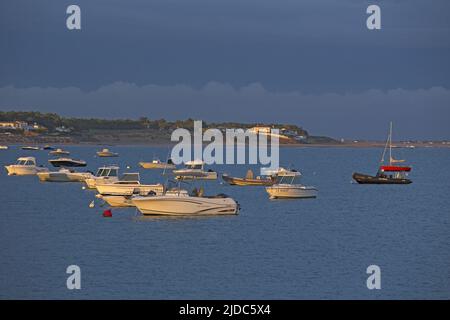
167,161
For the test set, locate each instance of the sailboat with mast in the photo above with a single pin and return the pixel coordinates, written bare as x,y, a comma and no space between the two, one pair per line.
391,173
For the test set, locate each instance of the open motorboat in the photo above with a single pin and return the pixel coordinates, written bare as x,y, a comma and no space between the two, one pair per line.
178,202
387,174
287,186
106,174
67,162
129,184
107,153
158,164
25,166
59,152
48,147
3,147
194,170
63,175
249,180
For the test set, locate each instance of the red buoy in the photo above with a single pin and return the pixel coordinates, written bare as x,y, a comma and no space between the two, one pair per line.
107,213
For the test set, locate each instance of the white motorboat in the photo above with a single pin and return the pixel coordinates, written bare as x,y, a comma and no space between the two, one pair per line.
59,152
63,175
25,166
3,147
107,153
286,186
107,174
179,203
157,164
67,162
128,185
194,170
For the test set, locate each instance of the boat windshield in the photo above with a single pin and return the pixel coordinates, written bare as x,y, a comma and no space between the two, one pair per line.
194,166
288,179
25,162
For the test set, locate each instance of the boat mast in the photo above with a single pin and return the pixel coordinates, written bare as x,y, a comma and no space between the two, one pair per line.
390,144
386,145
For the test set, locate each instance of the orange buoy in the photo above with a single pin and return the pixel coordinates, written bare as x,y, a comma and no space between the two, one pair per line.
107,213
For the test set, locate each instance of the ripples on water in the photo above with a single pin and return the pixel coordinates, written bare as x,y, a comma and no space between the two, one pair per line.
274,249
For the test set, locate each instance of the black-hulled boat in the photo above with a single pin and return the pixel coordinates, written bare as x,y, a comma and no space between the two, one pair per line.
67,162
387,174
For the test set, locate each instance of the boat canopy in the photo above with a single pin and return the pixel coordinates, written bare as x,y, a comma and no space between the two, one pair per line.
130,177
26,161
395,168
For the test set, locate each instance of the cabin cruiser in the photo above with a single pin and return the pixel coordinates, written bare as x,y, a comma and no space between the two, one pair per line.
194,170
287,186
178,202
107,174
158,164
63,175
67,162
107,153
25,166
128,185
59,152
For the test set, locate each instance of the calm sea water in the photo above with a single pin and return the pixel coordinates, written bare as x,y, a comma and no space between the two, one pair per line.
274,249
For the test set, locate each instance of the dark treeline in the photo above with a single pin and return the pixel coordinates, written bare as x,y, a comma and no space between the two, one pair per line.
53,120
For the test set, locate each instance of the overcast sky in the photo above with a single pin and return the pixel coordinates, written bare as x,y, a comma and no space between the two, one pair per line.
308,62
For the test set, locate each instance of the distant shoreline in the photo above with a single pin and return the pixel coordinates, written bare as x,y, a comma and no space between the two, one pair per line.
362,144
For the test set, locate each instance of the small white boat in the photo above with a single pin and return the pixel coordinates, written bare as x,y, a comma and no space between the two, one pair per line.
128,185
3,147
107,174
59,152
286,186
25,166
179,203
107,153
63,175
194,170
157,164
67,162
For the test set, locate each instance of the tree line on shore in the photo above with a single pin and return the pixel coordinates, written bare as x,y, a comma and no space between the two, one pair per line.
51,121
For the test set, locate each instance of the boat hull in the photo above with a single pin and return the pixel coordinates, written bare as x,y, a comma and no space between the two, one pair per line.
368,179
113,189
107,154
247,182
118,201
67,163
181,206
19,170
278,191
151,165
63,176
93,182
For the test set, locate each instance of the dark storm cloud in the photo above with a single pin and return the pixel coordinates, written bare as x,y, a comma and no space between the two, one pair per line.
314,60
418,114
